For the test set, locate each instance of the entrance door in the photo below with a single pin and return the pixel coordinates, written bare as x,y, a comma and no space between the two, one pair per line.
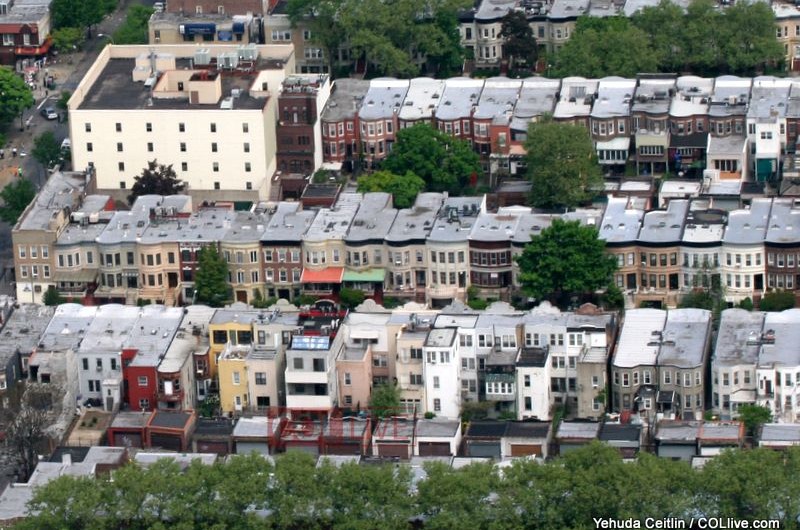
241,296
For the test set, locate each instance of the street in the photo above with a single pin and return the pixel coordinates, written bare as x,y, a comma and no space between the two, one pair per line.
68,70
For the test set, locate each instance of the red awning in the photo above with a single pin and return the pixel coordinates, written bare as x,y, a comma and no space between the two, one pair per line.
38,50
329,275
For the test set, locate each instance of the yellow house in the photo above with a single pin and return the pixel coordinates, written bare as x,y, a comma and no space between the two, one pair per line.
229,326
233,381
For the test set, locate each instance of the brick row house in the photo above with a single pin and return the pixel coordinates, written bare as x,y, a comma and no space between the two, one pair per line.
24,30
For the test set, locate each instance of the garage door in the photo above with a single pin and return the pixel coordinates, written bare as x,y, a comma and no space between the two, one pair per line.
396,450
434,449
171,443
310,449
343,449
128,439
245,448
483,450
526,449
220,448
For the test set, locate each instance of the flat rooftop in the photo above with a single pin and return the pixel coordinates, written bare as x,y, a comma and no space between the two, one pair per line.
621,223
23,11
460,96
731,96
288,224
373,220
455,219
334,223
577,96
575,430
614,96
421,99
345,99
60,191
685,338
415,223
785,350
498,99
784,221
638,340
67,328
664,226
748,226
383,99
536,97
22,330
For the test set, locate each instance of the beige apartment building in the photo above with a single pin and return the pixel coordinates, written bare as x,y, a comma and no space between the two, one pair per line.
209,112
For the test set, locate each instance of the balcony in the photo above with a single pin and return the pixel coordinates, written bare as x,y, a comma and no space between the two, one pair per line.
175,396
306,377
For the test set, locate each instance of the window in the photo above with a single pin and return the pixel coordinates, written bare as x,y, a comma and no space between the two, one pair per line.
625,379
184,166
236,379
437,405
142,380
119,147
247,167
245,127
527,381
89,147
297,363
118,126
121,166
87,127
181,127
436,381
213,127
667,377
247,147
85,364
465,340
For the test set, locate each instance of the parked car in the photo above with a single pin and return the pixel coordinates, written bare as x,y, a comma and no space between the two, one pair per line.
49,113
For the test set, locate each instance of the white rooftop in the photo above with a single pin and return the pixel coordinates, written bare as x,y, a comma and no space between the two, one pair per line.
576,98
638,341
384,97
423,95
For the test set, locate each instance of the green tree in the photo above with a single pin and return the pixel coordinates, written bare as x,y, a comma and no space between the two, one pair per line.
15,96
77,13
777,301
322,19
566,258
134,29
613,297
520,44
404,188
16,197
664,26
52,297
63,99
748,41
562,164
211,278
156,179
385,400
46,150
351,298
67,40
607,46
753,417
700,299
445,163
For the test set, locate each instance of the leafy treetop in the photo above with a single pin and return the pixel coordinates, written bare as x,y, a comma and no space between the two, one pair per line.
211,278
445,163
156,179
404,188
566,258
562,164
15,96
16,196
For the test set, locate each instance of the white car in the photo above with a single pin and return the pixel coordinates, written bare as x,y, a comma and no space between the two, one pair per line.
66,145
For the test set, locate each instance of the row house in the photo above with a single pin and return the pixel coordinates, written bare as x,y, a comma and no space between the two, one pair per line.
779,365
491,116
782,245
378,118
562,361
480,31
689,122
420,101
727,150
324,246
701,248
766,126
281,245
660,362
575,101
406,254
279,29
658,241
537,98
365,254
312,383
241,248
742,269
733,363
25,27
650,123
21,327
299,129
409,367
367,358
448,249
33,237
340,125
619,229
183,375
453,114
495,350
610,121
